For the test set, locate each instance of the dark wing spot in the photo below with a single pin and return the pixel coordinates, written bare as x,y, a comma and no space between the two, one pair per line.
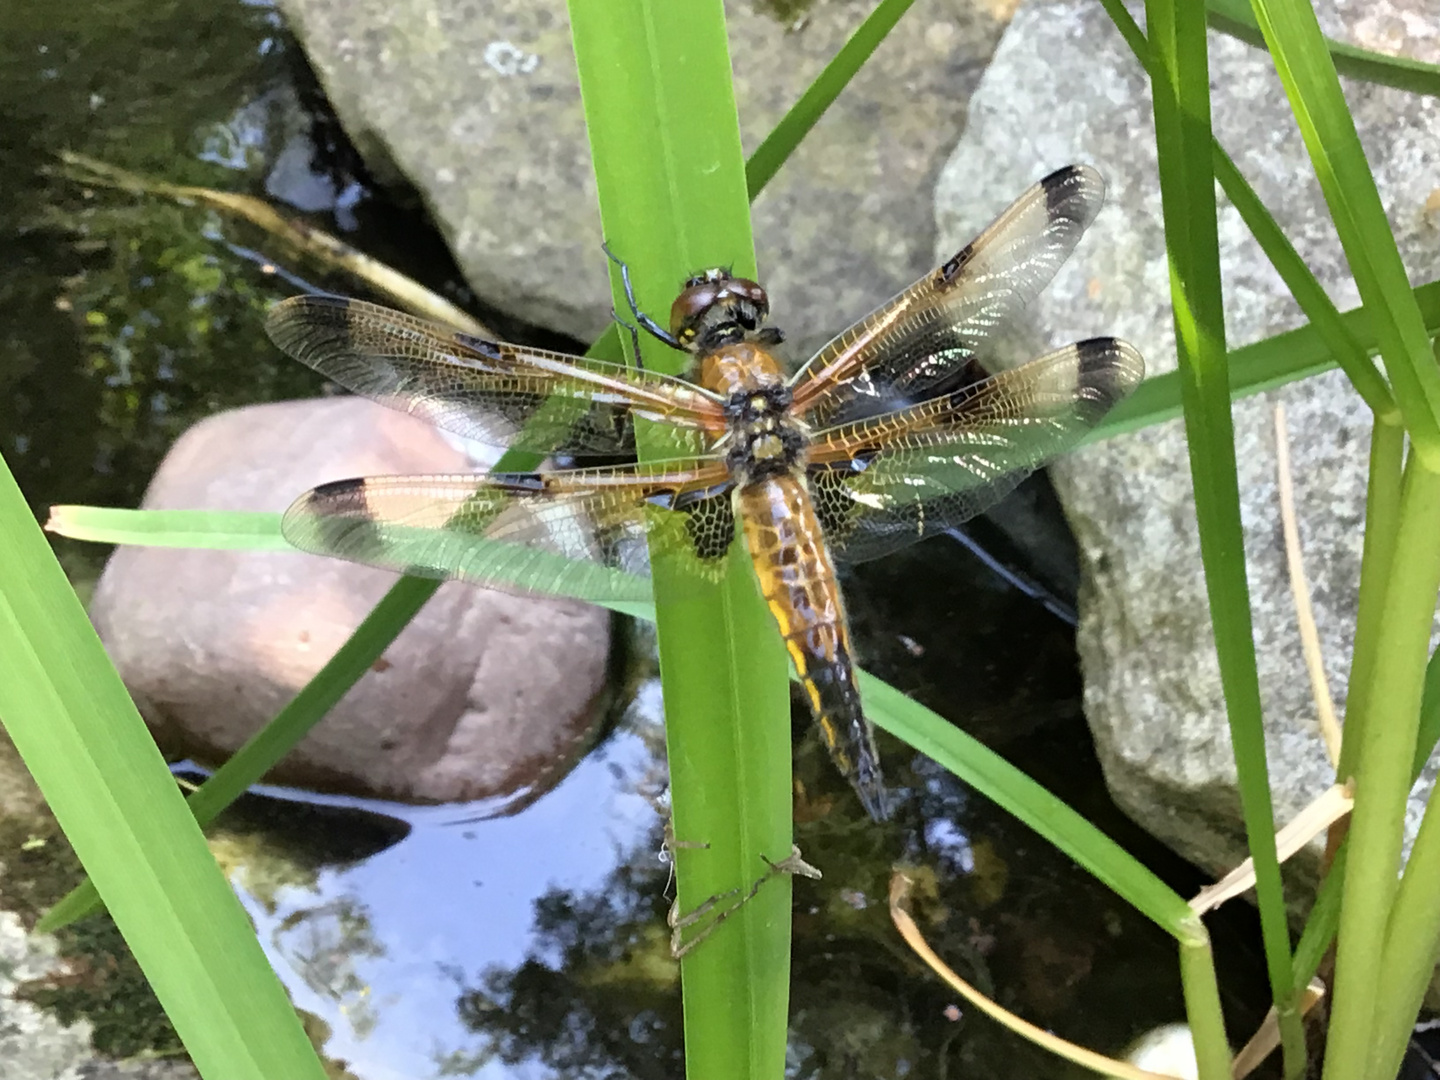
526,482
946,275
488,349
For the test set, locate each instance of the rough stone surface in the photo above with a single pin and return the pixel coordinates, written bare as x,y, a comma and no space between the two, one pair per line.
478,105
483,695
34,1045
1152,686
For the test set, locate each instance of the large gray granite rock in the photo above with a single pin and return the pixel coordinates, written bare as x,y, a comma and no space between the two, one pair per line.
478,106
1062,87
483,695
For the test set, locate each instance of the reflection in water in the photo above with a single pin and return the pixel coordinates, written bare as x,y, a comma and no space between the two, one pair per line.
324,945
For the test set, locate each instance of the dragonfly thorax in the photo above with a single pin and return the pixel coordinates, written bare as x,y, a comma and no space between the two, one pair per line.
764,440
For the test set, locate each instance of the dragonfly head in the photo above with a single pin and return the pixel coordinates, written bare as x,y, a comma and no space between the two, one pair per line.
715,309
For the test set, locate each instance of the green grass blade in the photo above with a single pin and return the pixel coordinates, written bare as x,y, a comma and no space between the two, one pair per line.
670,174
214,530
1429,732
77,730
1263,365
1235,18
252,761
765,162
1313,88
1307,291
1015,793
1181,86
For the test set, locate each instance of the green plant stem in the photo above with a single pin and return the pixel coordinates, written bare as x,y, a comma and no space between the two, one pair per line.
1202,1002
1412,946
1382,510
1386,751
1181,91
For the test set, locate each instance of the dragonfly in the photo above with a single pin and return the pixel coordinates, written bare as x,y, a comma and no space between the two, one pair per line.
901,427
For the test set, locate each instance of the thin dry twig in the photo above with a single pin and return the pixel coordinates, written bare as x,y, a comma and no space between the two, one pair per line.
389,282
1333,804
1300,589
1267,1035
900,885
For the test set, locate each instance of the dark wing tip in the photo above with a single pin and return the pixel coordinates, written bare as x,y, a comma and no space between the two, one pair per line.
335,489
327,518
1075,192
1109,365
291,323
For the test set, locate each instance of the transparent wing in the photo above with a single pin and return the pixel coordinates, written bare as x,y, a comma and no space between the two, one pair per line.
503,395
884,483
579,533
929,338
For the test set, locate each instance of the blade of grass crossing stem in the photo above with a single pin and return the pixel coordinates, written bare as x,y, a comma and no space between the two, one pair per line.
272,742
1308,75
1187,186
68,713
765,162
1334,330
670,174
1235,18
1261,365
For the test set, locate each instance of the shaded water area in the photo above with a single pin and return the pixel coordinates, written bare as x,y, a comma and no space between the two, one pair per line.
442,940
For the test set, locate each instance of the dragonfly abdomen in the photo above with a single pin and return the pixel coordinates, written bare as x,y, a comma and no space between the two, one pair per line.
797,579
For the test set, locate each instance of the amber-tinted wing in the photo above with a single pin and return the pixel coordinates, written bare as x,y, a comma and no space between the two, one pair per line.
503,395
929,338
883,483
572,532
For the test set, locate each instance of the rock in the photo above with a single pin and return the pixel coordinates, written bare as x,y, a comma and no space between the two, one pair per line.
1152,685
479,107
36,864
483,695
34,1045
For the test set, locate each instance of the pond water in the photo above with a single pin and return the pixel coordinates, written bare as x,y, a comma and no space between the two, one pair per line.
442,941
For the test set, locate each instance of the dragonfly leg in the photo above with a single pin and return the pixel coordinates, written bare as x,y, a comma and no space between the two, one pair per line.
653,328
634,338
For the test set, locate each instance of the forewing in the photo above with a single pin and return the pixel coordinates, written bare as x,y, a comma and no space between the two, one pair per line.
579,533
929,338
502,395
883,483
